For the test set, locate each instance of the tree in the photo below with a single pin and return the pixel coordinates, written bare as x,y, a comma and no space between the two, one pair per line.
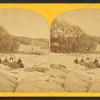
71,38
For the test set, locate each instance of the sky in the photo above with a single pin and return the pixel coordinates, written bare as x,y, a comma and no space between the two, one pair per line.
87,19
20,22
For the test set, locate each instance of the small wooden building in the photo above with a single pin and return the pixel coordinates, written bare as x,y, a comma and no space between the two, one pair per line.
28,48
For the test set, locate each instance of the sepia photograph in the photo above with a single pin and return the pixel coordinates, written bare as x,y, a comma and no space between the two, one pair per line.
75,52
24,51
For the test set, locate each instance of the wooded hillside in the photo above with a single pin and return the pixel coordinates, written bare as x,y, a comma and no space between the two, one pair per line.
70,38
11,43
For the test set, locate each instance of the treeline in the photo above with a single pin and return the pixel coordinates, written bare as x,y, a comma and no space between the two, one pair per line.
43,43
10,43
70,38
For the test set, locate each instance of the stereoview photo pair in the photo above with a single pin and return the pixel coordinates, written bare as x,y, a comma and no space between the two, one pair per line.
69,63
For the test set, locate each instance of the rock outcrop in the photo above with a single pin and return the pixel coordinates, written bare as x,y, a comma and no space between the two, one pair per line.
65,80
27,85
7,83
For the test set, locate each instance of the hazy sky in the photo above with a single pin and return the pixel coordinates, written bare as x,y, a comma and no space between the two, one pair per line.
87,19
22,22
